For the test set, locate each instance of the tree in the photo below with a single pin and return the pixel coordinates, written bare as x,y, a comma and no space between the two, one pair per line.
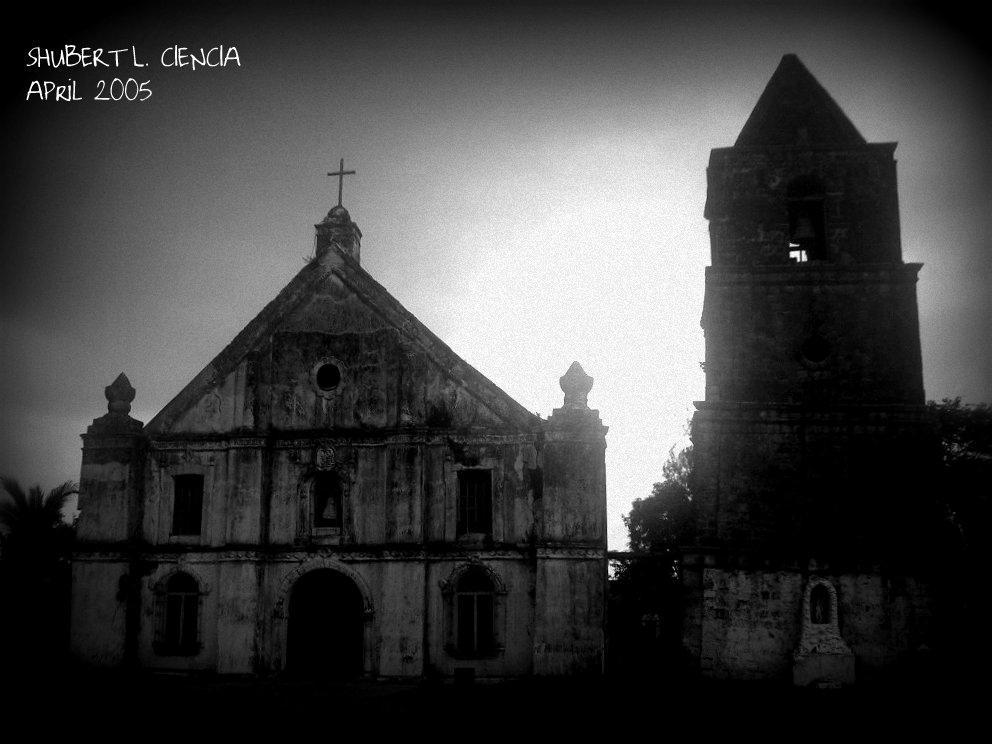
663,521
34,576
943,520
965,433
645,596
965,495
35,532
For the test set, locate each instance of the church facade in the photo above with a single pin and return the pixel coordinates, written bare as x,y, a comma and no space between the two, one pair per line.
337,493
812,448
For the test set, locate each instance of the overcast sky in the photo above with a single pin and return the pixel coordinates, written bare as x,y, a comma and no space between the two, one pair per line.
531,181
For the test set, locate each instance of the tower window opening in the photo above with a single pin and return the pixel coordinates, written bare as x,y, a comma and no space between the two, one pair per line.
807,228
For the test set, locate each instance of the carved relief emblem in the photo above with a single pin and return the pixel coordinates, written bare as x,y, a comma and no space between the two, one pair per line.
292,404
212,403
325,458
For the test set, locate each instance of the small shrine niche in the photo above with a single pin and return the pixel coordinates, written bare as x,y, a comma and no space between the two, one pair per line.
819,605
822,658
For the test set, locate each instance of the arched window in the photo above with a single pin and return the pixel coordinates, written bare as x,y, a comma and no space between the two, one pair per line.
807,224
326,500
474,613
179,616
819,605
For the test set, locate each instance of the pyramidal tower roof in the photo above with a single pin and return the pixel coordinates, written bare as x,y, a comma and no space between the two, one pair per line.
796,111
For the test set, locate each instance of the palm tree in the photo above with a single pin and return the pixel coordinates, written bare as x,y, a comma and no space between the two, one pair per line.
32,521
34,575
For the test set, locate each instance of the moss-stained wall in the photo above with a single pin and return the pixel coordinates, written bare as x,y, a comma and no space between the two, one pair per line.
335,383
812,447
98,614
750,620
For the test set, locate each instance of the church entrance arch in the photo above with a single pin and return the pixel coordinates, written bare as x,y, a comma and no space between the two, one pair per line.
325,626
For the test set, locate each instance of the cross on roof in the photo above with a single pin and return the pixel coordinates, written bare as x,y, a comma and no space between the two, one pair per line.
341,173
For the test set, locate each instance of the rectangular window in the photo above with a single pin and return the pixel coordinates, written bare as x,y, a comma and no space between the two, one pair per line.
475,502
187,504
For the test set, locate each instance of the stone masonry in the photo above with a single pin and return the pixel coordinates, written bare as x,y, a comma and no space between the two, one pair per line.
812,446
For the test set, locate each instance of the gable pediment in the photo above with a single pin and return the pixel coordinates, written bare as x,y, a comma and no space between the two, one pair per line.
334,320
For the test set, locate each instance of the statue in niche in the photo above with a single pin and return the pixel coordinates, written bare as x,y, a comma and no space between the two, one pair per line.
819,605
327,500
821,658
330,512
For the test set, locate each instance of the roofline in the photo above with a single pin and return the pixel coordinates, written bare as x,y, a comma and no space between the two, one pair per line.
362,284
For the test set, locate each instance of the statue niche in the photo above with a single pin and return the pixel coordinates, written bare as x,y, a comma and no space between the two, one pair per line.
822,658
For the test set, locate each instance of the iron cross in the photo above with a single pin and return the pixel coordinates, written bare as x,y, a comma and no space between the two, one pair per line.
341,173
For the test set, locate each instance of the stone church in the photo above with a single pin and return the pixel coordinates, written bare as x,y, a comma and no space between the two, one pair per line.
812,448
337,493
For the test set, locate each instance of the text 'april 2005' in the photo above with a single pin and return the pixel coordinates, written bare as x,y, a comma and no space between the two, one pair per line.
118,88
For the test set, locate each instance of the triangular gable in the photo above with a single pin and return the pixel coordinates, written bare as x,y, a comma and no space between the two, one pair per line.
795,110
297,309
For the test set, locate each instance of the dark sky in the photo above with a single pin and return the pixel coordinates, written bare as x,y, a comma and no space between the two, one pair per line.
531,180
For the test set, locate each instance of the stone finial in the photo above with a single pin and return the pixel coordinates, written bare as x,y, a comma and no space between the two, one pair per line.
119,394
576,385
338,230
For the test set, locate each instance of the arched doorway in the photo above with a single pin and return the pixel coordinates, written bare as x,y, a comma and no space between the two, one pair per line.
325,626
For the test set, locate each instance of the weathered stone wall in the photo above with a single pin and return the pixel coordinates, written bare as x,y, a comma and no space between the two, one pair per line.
110,486
750,620
398,542
106,490
812,447
397,488
334,376
798,483
386,379
573,492
97,632
208,573
568,630
757,323
232,479
747,202
514,616
895,607
243,622
749,623
237,612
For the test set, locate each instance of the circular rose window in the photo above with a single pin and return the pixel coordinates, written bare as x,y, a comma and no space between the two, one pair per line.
328,377
815,350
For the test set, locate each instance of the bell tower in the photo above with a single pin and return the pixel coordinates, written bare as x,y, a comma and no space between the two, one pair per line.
807,299
811,445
